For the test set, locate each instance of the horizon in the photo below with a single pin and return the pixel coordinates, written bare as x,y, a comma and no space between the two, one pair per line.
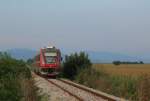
94,56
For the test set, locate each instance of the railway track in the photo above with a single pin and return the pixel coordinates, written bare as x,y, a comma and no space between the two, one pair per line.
80,92
93,92
59,86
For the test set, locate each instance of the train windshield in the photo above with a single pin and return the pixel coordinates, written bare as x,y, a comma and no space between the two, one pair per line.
50,59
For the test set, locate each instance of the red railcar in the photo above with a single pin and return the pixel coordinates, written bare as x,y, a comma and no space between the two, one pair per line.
48,61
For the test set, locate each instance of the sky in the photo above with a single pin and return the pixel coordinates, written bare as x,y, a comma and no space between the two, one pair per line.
121,26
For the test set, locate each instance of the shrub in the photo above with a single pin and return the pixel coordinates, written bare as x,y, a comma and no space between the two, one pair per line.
30,61
74,63
12,74
10,89
13,67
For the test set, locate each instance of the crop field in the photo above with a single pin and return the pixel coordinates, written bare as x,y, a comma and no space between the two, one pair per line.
124,69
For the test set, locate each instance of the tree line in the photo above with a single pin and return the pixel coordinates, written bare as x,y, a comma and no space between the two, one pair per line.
127,62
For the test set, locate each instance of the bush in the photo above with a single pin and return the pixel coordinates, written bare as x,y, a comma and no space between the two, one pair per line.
75,63
10,89
13,67
12,73
30,61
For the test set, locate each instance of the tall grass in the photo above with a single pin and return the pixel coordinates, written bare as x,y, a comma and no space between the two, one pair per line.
135,89
124,86
29,90
144,88
93,79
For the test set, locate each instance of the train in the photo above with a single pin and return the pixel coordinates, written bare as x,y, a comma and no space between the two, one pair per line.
48,61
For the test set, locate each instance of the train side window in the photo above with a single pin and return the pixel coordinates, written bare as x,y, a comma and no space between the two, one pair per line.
61,59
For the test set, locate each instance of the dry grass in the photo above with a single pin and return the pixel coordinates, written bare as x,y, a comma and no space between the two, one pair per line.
29,90
144,88
131,82
124,69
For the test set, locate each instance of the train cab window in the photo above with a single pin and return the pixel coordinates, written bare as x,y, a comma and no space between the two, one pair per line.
50,59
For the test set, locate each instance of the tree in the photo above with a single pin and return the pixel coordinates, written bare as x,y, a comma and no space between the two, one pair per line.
30,61
75,63
141,62
116,62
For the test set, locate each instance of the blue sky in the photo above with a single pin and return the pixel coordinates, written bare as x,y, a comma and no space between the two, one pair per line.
121,26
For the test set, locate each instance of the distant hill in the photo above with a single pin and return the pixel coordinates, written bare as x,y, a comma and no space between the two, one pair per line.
108,57
22,53
96,57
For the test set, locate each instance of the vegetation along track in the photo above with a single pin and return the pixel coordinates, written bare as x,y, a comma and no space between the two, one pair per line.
82,93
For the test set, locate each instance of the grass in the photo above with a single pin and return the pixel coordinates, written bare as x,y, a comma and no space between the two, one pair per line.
126,81
124,69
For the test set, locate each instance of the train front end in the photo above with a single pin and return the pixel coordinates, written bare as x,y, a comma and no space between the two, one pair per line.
50,61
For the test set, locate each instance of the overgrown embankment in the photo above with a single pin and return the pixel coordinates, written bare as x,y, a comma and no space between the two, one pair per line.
135,89
16,83
77,67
